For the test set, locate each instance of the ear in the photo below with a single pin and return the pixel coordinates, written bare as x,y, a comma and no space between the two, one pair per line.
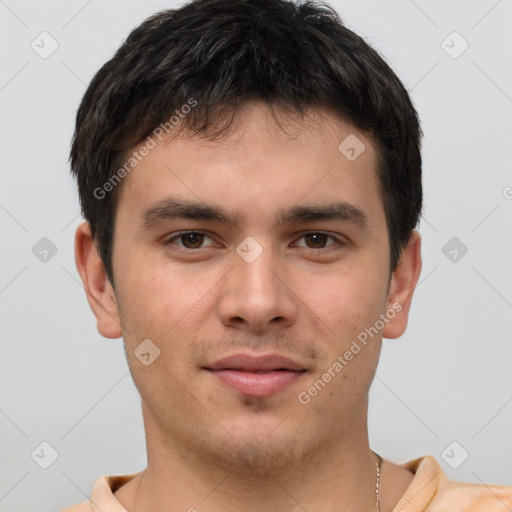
402,285
99,291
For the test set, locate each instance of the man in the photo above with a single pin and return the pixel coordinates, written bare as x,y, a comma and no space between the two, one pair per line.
250,176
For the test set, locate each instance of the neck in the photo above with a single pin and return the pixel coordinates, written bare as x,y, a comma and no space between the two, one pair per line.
340,477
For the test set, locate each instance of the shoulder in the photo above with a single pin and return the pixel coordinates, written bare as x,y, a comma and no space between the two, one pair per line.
455,496
431,490
85,506
102,496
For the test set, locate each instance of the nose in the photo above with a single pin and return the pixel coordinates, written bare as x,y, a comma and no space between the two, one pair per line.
256,295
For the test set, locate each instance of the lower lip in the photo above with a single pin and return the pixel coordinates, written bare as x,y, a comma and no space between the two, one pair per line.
260,384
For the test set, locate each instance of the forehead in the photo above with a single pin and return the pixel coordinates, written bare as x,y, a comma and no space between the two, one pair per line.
261,165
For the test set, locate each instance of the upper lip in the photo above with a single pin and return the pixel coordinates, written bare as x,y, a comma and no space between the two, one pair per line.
246,362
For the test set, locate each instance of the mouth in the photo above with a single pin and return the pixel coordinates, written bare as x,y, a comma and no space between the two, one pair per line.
256,376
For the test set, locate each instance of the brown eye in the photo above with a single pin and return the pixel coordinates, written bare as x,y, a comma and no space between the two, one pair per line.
189,240
192,240
318,240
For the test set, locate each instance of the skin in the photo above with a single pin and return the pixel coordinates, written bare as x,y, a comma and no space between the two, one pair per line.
210,447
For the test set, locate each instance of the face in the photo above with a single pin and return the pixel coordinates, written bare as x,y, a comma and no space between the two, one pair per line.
269,246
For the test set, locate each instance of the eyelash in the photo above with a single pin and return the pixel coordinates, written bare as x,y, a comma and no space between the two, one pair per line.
329,248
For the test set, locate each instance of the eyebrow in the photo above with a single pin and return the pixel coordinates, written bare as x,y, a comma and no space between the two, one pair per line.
173,208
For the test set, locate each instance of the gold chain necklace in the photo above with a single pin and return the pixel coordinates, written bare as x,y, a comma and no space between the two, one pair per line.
378,465
377,485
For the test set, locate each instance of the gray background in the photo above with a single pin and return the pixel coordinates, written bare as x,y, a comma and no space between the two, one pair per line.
448,379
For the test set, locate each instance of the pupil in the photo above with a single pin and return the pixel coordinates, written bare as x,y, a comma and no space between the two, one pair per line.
315,237
195,239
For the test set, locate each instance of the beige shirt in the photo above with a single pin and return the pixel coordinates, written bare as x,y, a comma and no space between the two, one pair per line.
429,491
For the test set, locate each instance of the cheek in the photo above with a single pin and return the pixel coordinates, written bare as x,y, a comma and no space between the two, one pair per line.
156,299
168,308
349,301
155,309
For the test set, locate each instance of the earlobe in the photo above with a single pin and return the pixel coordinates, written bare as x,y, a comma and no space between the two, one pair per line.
403,283
99,291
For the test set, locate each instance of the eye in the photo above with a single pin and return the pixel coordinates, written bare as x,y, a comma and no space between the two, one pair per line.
189,239
194,240
318,240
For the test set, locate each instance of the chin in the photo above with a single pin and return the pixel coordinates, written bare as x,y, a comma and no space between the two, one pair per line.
258,456
259,446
